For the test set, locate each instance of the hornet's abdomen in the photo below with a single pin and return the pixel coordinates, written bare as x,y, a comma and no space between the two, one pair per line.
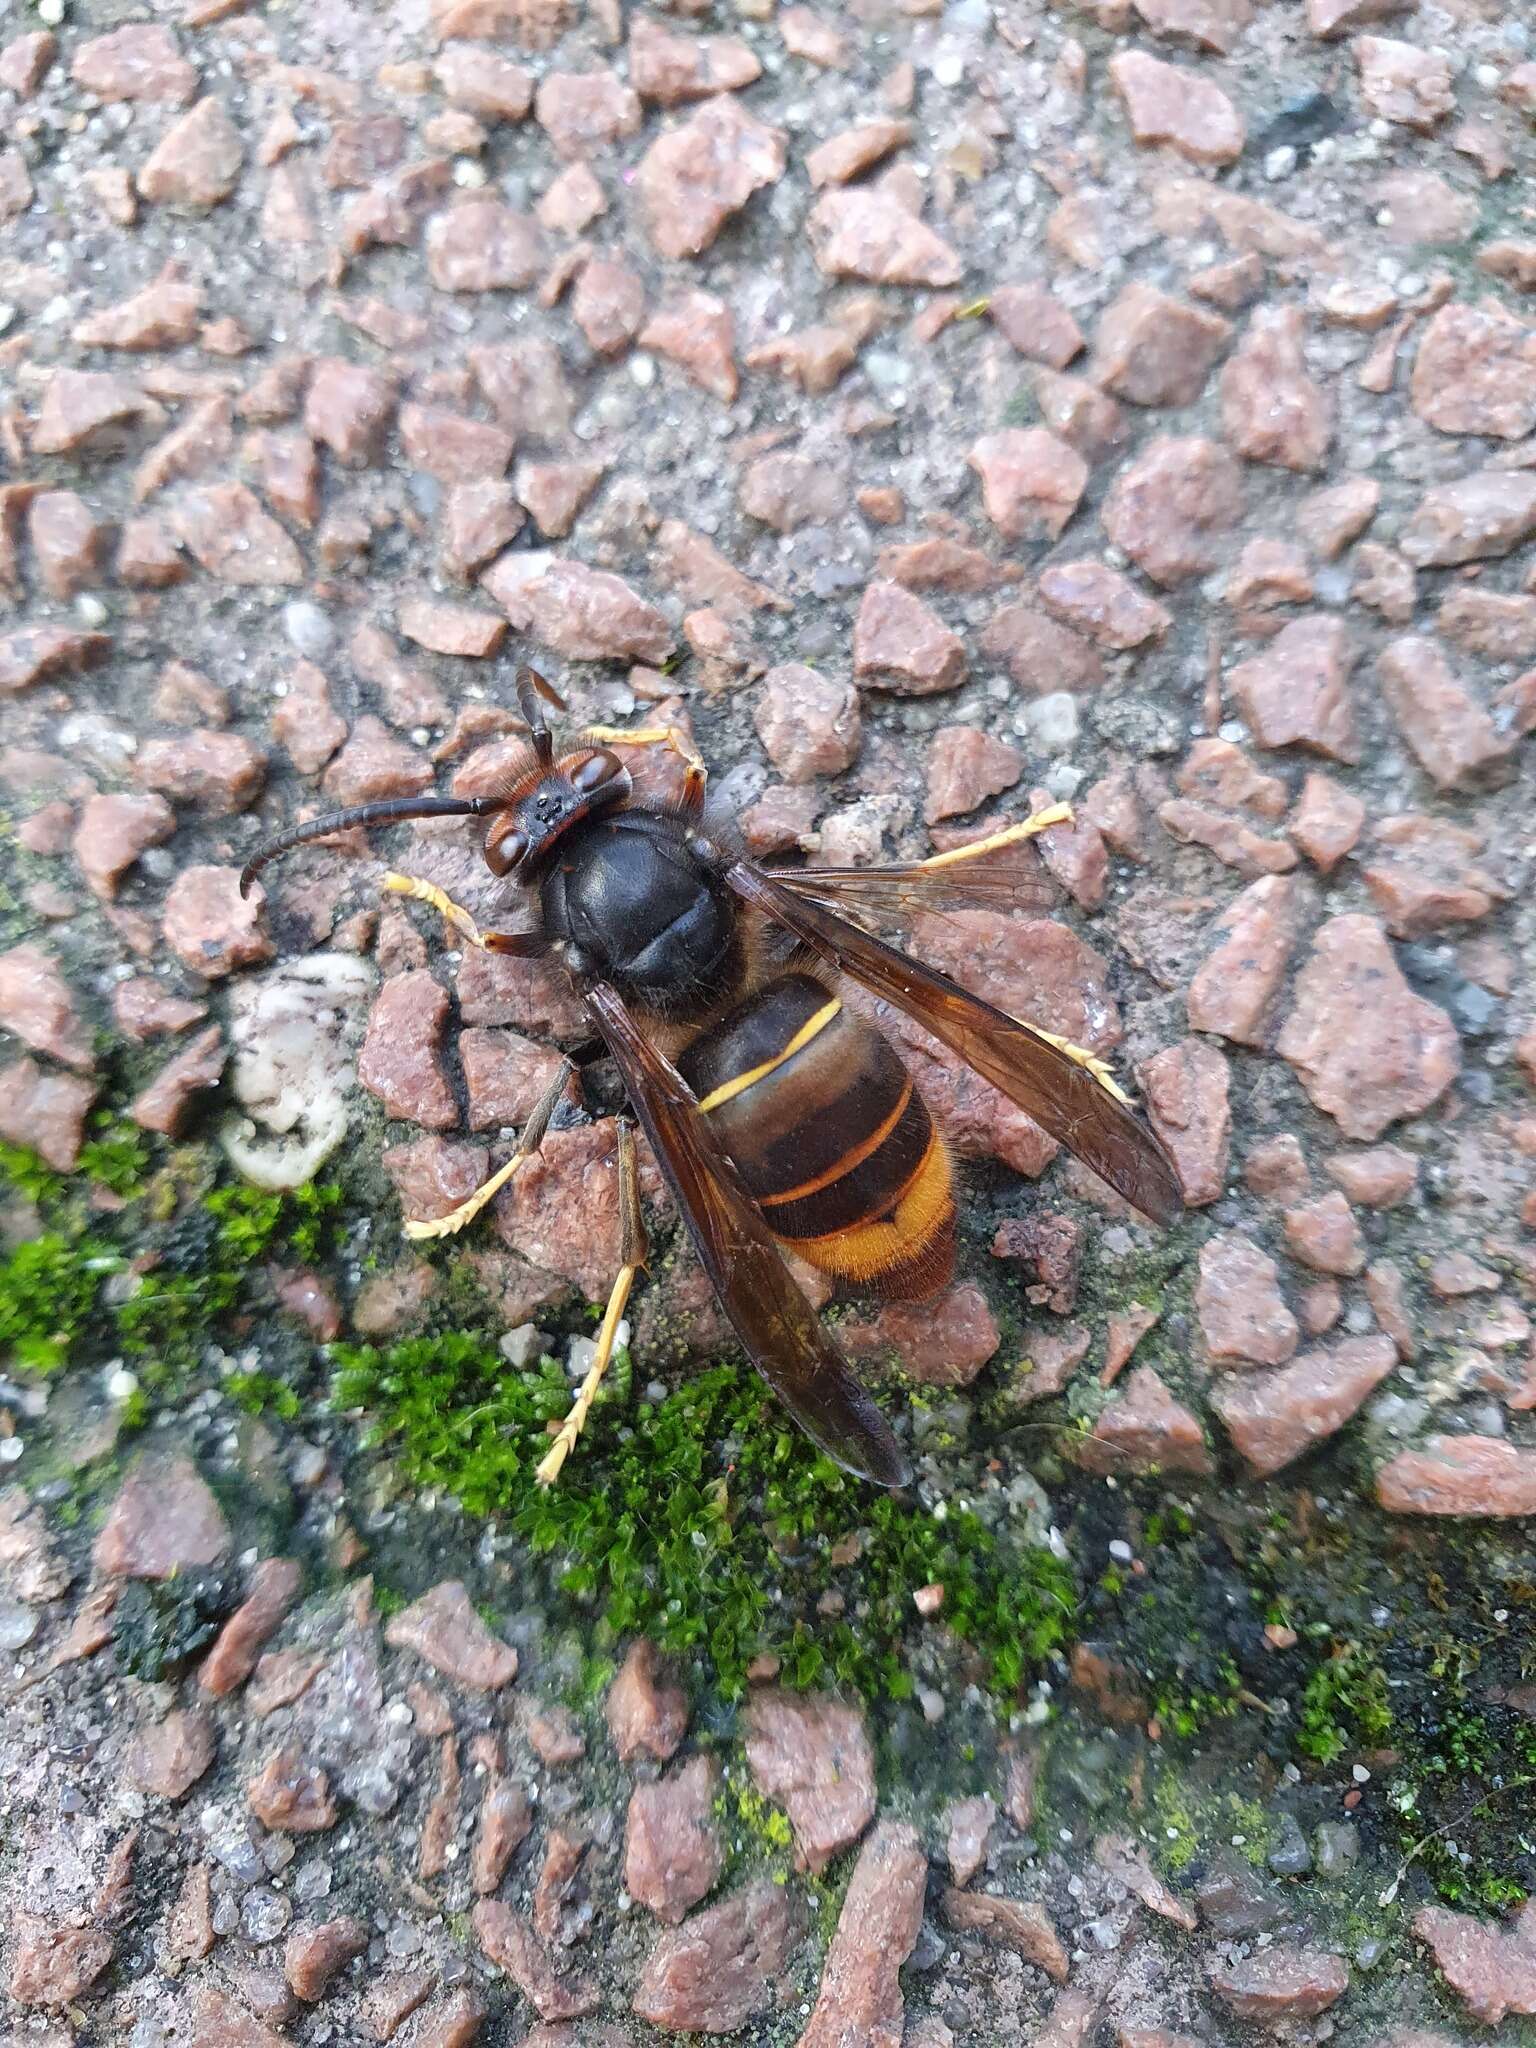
830,1136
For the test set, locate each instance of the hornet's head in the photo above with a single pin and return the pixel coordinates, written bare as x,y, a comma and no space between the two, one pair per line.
529,815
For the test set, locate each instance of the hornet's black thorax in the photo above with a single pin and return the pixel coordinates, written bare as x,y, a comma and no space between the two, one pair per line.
628,902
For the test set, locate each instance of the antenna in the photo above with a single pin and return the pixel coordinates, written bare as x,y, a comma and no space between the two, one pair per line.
387,812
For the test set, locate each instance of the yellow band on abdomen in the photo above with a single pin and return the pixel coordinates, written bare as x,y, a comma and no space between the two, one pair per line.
802,1038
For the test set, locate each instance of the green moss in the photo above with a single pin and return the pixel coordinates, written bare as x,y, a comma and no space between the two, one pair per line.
313,1217
1178,1836
210,1270
1249,1828
135,1410
1344,1707
25,1174
705,1521
1461,1794
118,1157
1186,1711
49,1288
246,1221
199,1249
1192,1822
757,1829
1321,1641
262,1393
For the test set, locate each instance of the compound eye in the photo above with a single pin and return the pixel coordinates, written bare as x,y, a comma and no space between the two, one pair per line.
596,770
503,850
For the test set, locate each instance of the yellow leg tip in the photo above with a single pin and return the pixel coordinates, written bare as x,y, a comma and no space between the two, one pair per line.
549,1467
420,1233
460,1218
453,914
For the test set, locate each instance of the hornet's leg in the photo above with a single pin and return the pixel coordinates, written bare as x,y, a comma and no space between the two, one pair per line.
697,777
632,1255
458,919
454,915
1084,1058
1010,835
527,1145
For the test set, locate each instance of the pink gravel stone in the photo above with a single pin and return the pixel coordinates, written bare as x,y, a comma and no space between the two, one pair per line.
443,1628
164,1520
44,1111
647,1714
197,163
1031,481
1171,508
210,927
1153,350
38,1006
900,644
139,62
863,232
1272,410
811,1755
401,1060
1366,1048
692,179
1167,103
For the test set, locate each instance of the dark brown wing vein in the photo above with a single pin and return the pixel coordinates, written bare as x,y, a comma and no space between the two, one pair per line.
996,880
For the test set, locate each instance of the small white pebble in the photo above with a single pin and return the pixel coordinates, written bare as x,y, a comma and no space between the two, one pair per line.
521,1346
1121,1551
1487,76
948,68
642,370
467,172
50,12
1360,1775
11,1448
